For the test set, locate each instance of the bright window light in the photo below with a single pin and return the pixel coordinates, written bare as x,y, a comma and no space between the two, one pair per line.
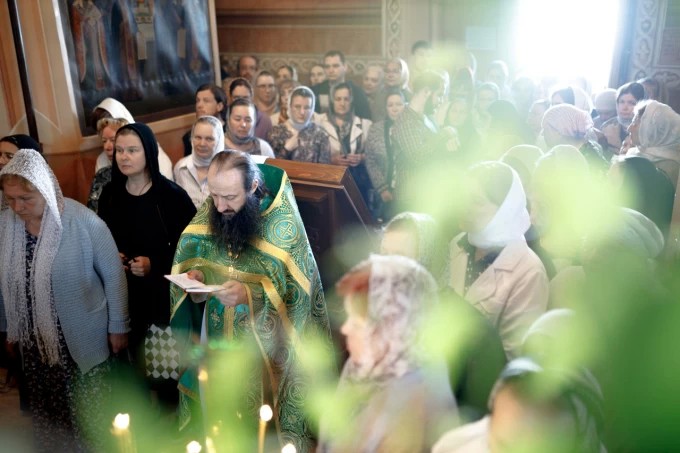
566,39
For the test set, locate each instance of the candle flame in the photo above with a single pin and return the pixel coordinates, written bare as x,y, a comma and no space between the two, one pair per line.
289,448
122,421
266,413
202,375
194,447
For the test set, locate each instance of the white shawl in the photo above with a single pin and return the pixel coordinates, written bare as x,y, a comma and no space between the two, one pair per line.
30,165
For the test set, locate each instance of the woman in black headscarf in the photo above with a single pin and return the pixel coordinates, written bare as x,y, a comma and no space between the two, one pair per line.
146,214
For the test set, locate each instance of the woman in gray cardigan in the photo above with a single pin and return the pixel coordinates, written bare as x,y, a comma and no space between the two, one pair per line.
63,298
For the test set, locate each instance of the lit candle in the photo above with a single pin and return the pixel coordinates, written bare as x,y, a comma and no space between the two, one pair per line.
289,448
194,447
121,431
265,415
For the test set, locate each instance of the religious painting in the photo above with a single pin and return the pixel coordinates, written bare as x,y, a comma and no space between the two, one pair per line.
149,54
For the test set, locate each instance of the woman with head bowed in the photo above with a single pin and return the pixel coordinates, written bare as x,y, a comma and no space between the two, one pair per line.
299,138
146,214
564,124
11,144
240,131
491,265
63,299
391,395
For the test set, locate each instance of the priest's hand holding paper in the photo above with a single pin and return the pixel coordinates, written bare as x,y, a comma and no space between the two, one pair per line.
197,275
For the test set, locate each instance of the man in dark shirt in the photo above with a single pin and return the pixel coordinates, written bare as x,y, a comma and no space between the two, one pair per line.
335,67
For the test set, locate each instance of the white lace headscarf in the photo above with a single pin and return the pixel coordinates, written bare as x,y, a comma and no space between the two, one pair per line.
511,220
30,165
400,294
219,142
660,130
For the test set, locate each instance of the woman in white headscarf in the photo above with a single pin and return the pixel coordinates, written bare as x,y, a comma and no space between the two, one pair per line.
111,108
191,172
491,265
564,124
63,298
655,131
391,396
299,138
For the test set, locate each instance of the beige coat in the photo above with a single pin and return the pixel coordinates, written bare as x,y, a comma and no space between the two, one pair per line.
512,292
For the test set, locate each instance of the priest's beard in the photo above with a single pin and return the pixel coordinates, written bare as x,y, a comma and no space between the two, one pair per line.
232,231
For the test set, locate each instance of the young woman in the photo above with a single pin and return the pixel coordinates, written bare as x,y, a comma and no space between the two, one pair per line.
380,153
146,214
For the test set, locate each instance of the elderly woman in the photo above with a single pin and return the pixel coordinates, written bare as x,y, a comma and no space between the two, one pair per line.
348,134
391,395
655,131
146,214
564,124
191,172
299,138
397,76
615,129
111,108
491,265
240,133
106,129
380,152
63,299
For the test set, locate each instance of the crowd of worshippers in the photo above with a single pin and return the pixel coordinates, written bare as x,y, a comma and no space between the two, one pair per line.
524,235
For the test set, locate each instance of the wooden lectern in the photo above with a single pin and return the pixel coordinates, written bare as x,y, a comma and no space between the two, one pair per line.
329,201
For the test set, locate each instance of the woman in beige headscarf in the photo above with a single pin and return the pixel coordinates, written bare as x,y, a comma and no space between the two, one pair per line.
655,131
391,395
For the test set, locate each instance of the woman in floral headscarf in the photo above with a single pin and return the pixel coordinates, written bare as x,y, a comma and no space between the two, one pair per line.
391,397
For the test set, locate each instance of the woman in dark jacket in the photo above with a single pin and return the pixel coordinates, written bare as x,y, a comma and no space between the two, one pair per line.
146,214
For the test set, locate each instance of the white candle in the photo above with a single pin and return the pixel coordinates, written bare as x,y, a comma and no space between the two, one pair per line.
121,431
266,414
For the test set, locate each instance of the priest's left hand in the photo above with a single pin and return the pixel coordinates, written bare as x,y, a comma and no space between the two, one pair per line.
233,294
